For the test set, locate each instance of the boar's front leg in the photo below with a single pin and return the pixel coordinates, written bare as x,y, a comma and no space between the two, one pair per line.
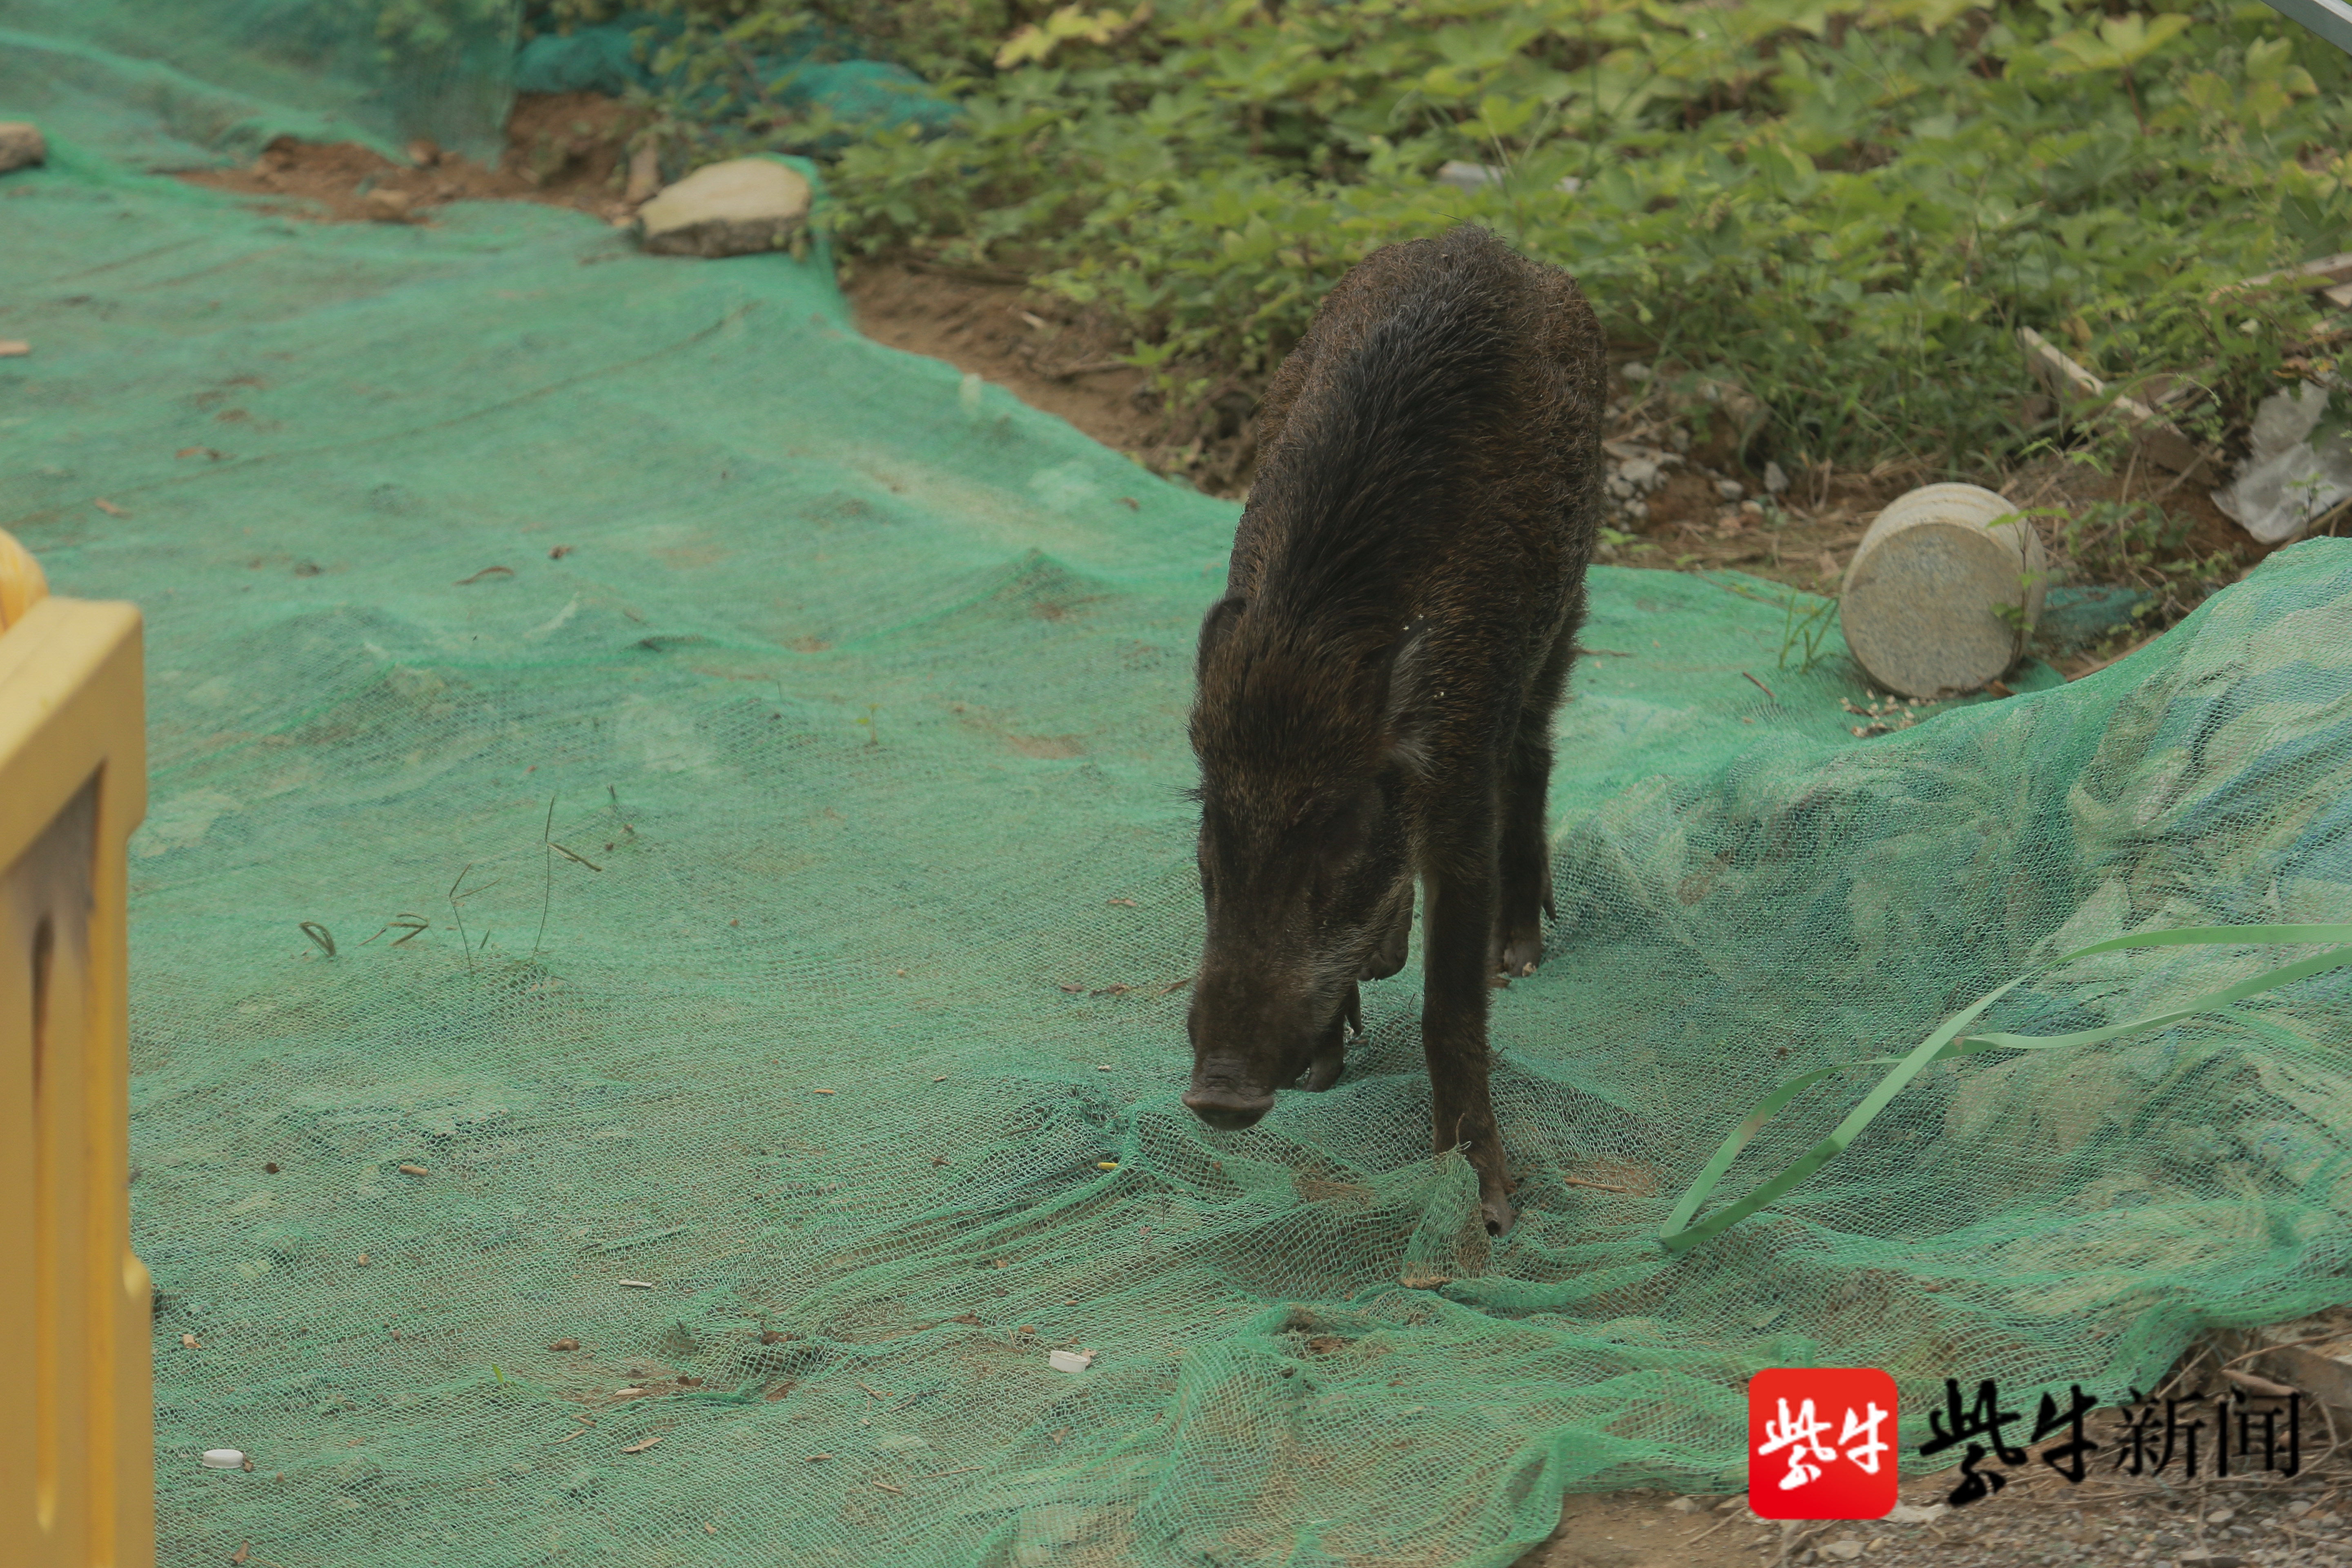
1331,1053
1526,858
1458,918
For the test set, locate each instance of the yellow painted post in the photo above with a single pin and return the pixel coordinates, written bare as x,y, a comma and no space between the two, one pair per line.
77,1434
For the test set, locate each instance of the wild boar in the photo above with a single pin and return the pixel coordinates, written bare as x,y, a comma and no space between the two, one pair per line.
1375,690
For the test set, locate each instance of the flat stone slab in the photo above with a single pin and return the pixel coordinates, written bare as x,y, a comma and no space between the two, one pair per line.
740,207
21,144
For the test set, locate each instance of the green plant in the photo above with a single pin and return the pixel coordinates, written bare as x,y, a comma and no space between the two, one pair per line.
2123,542
1806,621
1846,211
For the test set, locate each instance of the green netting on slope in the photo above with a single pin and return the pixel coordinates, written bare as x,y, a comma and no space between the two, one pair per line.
190,83
857,700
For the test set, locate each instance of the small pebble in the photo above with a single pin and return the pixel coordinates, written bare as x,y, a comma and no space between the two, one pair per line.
1636,372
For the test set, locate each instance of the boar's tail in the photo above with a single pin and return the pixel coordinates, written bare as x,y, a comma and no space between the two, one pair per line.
1380,443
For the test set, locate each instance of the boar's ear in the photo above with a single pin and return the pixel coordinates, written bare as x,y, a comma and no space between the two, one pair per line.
1217,625
1405,721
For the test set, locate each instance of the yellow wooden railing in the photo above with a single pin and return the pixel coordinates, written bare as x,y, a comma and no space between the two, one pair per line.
76,1436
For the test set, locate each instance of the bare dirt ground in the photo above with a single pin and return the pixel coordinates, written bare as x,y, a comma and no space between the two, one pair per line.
567,149
571,150
2039,1520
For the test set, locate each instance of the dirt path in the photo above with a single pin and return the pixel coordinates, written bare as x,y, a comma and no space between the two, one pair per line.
2107,1521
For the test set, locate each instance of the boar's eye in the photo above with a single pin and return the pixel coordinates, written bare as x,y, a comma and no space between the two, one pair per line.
1343,837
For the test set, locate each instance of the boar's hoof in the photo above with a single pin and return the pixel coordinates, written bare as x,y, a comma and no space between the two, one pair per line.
1517,959
1225,1110
1498,1213
1324,1071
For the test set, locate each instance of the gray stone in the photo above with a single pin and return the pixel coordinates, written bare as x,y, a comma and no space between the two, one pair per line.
740,207
1775,481
1730,490
21,144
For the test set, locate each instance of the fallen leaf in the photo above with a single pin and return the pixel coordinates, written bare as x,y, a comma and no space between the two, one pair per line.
560,550
564,1345
1074,990
942,1078
886,1486
818,1458
1130,503
110,508
1129,902
11,348
242,1552
641,1448
965,1318
484,571
413,1171
187,1341
364,1260
823,1091
198,452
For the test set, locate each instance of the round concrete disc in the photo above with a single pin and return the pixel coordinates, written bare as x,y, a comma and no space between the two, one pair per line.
1920,607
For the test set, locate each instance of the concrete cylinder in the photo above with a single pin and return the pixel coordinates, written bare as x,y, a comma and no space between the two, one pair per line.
1942,595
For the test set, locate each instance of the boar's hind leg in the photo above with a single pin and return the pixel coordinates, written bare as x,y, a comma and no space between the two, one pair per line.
1526,869
1459,913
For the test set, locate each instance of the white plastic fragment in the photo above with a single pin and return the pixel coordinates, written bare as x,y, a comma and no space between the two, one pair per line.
223,1459
1071,1361
638,1284
2294,473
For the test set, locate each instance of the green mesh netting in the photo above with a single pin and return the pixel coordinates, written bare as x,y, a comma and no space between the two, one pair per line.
190,83
853,696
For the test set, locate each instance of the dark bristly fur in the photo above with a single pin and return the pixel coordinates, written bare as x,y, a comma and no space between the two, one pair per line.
1376,690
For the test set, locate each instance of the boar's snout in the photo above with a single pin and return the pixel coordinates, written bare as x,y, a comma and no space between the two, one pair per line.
1227,1110
1246,1043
